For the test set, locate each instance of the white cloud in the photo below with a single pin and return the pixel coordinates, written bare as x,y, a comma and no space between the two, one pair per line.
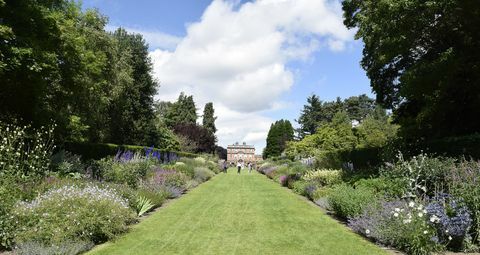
237,55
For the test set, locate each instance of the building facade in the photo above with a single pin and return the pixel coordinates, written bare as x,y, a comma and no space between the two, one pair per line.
241,153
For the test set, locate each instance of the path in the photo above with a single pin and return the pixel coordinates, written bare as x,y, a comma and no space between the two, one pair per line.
239,214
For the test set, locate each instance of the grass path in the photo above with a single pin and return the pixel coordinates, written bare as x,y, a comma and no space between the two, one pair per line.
239,214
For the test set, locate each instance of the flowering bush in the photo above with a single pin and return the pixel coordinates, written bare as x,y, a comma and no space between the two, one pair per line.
324,177
72,213
400,224
421,175
348,202
451,219
25,152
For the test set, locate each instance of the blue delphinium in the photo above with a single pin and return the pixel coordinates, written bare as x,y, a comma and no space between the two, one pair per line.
451,219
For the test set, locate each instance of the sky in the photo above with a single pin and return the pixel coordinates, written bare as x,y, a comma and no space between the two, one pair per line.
257,61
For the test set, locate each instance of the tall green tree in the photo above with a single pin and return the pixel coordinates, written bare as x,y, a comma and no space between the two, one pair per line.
423,60
279,134
183,111
209,118
132,113
310,116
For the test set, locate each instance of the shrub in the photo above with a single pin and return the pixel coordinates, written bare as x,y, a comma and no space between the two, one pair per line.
126,172
324,177
9,195
71,213
400,224
202,174
299,187
348,202
390,188
187,169
283,180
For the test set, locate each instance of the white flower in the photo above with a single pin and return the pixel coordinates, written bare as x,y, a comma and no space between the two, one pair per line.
420,207
425,232
397,209
395,215
446,231
407,221
367,231
411,204
449,238
420,214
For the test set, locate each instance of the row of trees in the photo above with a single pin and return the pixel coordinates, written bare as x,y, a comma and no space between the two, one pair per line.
59,64
340,125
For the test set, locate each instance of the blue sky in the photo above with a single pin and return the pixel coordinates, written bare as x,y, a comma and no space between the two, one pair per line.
257,61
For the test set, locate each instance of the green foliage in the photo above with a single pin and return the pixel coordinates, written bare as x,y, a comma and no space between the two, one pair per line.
299,187
58,63
183,111
323,177
315,113
431,82
347,201
71,213
376,131
389,188
143,205
279,134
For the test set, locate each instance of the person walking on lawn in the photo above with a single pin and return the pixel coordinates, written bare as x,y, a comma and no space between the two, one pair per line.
239,167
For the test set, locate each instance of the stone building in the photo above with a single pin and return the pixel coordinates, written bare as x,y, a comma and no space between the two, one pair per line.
241,153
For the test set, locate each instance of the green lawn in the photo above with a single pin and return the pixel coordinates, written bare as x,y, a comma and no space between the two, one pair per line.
239,214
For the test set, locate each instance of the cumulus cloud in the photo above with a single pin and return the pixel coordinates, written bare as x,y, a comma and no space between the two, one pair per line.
237,56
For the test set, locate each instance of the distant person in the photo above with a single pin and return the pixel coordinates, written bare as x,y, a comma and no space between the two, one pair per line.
239,167
225,167
249,167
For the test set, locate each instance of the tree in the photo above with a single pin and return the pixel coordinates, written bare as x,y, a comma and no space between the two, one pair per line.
195,138
279,134
376,130
310,116
131,111
359,107
423,60
209,118
183,111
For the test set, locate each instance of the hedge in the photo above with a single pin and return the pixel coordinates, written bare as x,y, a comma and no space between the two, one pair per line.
102,150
